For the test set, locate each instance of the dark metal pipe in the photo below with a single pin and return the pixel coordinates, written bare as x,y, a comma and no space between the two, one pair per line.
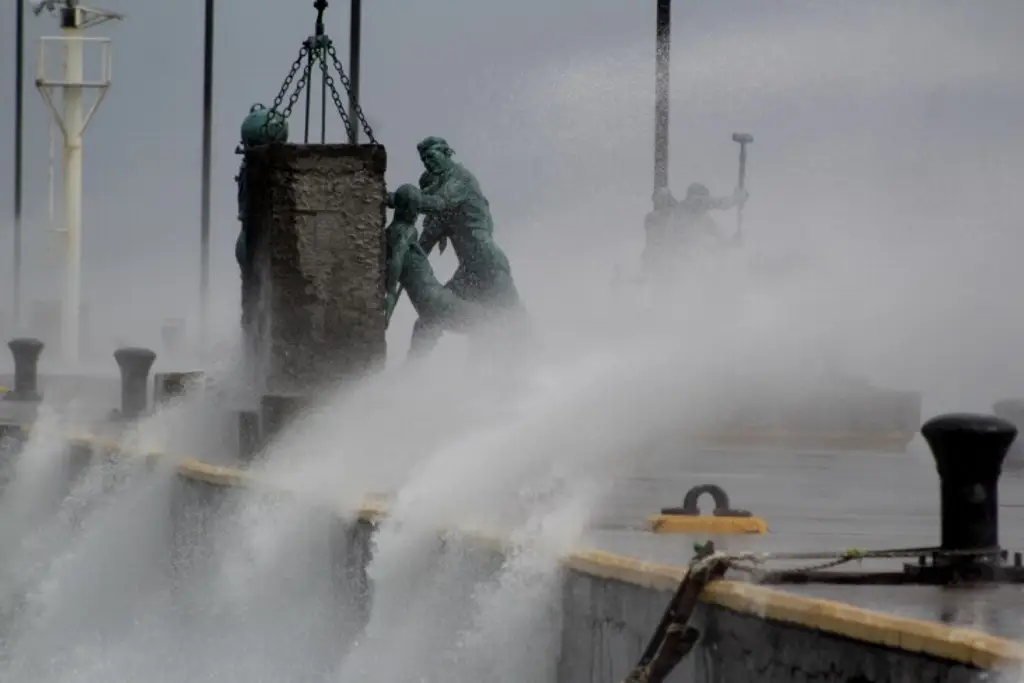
19,112
661,93
354,50
204,207
309,87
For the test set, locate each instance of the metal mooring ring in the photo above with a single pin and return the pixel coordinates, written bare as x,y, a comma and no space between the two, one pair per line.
718,495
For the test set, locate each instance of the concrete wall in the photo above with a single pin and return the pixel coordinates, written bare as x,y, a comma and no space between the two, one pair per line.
607,623
611,605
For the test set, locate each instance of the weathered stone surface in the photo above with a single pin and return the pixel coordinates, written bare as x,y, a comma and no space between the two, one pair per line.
313,310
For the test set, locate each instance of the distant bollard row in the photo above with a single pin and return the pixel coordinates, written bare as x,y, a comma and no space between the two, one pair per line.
255,427
134,363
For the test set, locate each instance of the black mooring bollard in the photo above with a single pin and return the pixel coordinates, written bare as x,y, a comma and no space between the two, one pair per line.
135,364
26,352
969,451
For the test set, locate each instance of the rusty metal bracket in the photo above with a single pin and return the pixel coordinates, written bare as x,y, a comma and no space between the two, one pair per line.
674,638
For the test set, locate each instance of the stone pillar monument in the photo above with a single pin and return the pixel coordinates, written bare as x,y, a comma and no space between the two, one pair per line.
313,301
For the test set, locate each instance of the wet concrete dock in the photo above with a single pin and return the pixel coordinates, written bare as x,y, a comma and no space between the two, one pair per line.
823,502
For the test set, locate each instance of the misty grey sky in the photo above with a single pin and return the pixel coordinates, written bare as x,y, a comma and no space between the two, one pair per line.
873,119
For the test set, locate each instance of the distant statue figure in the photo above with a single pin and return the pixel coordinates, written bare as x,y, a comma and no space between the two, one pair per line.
456,210
261,126
677,229
408,267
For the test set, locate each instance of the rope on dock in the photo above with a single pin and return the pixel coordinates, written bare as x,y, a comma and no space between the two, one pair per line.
752,563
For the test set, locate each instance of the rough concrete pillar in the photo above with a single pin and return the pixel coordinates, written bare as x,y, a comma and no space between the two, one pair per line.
313,308
135,364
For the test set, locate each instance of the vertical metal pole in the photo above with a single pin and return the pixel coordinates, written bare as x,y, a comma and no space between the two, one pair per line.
661,93
204,207
308,76
323,98
354,50
73,73
19,112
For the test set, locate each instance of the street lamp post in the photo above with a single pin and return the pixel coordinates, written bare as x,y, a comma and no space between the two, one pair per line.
204,209
19,113
661,93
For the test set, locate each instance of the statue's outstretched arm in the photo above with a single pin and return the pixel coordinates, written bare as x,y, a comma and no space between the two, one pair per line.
737,197
447,197
433,232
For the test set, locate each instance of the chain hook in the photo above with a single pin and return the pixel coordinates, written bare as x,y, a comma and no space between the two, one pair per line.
319,6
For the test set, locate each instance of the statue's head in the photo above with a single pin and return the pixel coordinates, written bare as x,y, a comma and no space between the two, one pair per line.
662,198
263,126
696,190
436,154
697,198
407,201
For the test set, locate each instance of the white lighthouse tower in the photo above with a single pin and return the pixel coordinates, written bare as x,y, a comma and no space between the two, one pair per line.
72,115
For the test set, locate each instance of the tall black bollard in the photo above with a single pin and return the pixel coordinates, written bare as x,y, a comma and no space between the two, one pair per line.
969,451
26,352
135,364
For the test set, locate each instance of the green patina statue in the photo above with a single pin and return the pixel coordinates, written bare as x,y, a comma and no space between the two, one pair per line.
437,306
456,210
676,227
261,126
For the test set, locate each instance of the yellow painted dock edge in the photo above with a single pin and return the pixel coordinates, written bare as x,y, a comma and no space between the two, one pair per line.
962,645
706,524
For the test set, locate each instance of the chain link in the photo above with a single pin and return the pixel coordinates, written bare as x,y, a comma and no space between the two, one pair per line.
348,89
329,81
275,108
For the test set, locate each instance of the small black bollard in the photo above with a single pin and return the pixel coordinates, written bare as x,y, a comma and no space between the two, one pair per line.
171,385
135,364
26,352
969,451
276,411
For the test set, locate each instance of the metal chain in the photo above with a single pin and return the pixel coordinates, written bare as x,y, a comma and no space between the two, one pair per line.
303,53
318,49
748,562
348,89
329,81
